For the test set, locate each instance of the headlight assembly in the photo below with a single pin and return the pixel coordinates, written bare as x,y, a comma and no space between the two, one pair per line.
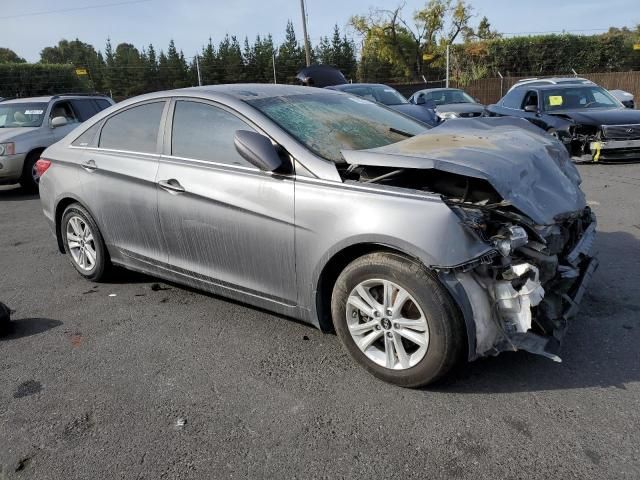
7,148
447,115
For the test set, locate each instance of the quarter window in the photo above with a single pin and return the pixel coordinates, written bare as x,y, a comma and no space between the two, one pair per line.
86,139
205,132
134,130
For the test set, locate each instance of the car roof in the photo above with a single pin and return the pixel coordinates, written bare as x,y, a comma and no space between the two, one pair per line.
28,100
441,89
249,91
563,86
347,85
48,98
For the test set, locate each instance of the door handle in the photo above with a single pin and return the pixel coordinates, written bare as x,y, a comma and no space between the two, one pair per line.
90,166
171,185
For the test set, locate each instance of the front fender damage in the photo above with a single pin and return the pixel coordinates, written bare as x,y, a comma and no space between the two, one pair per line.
525,301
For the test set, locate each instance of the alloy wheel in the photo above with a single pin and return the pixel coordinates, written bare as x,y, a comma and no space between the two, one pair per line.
81,243
387,324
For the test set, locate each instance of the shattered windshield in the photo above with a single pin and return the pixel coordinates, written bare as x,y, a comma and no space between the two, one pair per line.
328,123
13,115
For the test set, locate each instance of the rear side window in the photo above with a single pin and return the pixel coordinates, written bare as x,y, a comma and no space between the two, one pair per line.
205,132
514,98
135,129
102,104
86,139
84,108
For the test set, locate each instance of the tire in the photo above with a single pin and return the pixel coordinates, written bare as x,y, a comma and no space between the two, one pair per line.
427,306
27,179
90,246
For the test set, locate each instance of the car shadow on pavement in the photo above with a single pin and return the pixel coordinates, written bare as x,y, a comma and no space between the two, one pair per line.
27,327
600,349
15,193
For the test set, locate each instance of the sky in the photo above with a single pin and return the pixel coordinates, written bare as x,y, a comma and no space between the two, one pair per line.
191,22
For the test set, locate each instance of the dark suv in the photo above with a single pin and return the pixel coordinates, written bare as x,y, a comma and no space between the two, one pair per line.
29,125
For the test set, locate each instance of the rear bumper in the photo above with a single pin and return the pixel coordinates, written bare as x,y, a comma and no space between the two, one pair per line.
11,168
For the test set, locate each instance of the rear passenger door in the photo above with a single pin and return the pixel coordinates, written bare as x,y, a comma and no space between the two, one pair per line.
224,221
118,176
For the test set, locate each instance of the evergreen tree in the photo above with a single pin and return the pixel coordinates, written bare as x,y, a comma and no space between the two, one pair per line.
291,58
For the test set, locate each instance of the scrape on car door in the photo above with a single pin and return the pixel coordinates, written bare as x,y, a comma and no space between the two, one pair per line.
225,222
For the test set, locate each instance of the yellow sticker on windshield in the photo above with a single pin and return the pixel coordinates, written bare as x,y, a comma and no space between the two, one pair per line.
555,100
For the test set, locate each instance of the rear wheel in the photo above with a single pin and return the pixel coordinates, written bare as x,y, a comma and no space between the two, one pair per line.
396,319
83,243
30,180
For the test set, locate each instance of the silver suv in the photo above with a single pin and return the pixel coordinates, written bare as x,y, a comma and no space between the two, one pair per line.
29,125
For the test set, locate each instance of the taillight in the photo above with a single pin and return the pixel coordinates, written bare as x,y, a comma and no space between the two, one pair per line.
42,166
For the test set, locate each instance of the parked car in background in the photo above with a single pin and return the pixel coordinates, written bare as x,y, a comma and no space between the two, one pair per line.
320,76
29,125
448,102
418,246
551,81
627,99
390,97
592,124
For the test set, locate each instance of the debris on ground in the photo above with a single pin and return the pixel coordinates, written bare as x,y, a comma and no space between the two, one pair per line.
156,287
181,422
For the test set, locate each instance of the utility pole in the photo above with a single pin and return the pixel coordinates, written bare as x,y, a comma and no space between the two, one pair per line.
304,32
198,68
501,83
447,79
273,57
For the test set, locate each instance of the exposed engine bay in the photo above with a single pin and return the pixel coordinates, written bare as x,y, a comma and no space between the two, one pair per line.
528,210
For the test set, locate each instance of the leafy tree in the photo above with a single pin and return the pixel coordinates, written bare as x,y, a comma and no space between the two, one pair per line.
79,54
411,46
9,56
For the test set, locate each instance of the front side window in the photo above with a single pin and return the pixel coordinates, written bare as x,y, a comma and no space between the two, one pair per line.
327,123
64,109
204,132
15,115
134,130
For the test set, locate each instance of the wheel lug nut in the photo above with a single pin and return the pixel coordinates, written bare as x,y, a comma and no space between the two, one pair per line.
389,334
395,325
389,312
376,313
377,327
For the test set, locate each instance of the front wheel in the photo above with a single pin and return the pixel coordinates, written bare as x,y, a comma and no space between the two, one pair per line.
395,319
83,243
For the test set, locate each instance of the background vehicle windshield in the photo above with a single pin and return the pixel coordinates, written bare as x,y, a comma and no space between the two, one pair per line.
13,115
377,93
577,98
327,124
445,97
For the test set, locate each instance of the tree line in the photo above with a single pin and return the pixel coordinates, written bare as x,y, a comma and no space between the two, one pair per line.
126,70
394,46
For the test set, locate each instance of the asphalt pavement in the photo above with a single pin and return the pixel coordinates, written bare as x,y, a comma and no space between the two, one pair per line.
137,378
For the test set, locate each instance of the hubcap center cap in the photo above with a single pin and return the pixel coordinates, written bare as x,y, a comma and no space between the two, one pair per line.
386,324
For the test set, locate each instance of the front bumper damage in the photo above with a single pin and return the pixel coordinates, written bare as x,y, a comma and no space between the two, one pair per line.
525,301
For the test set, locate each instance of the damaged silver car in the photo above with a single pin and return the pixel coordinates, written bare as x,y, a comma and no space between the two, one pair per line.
418,247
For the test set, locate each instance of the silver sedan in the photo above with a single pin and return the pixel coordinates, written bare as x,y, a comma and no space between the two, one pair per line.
418,247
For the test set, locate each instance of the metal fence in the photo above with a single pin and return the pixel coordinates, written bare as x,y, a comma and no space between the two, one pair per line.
490,90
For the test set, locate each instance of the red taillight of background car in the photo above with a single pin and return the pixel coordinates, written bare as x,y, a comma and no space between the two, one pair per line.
42,166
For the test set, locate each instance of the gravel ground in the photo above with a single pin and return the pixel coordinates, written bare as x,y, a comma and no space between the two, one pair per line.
140,379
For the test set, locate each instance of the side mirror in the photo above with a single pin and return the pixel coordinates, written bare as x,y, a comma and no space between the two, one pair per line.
58,122
257,150
420,100
531,109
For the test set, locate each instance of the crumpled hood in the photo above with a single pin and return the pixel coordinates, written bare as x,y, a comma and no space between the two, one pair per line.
527,167
597,116
10,134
